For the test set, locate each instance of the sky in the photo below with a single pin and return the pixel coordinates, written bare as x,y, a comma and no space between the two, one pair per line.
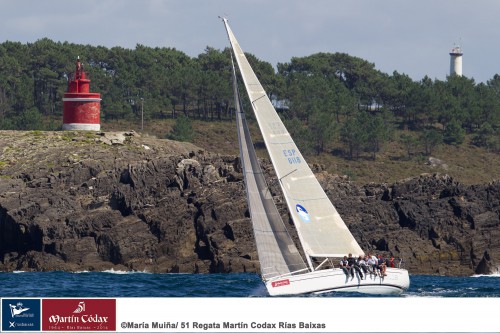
412,37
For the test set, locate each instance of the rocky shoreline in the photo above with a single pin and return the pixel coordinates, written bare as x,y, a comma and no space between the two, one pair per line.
96,201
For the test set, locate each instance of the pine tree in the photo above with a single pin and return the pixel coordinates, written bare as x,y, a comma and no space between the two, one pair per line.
430,138
454,134
182,129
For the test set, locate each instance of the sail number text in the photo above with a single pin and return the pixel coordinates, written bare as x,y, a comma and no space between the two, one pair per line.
290,154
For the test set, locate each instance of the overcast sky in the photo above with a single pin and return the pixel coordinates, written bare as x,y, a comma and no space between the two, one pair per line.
413,37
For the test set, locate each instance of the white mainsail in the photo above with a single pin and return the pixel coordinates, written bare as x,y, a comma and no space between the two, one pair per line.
278,255
321,230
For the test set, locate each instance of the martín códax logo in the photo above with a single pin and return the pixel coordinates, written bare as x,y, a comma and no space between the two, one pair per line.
79,314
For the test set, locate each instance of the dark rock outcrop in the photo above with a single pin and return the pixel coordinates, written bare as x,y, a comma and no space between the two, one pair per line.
81,201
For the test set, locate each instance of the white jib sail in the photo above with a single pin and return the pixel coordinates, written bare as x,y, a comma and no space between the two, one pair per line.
321,230
278,255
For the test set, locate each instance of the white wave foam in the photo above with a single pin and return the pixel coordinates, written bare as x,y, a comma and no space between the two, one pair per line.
112,271
495,274
17,272
487,275
436,292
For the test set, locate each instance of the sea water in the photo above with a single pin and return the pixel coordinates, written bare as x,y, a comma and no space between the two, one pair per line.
143,284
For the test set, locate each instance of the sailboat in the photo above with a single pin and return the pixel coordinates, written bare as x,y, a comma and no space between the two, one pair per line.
322,233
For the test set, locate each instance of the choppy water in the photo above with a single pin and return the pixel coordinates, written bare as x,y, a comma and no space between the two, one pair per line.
126,284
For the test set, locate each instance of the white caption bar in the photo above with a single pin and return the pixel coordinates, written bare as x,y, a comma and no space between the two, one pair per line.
308,315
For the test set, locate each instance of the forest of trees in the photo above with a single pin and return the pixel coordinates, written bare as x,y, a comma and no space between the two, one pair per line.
324,97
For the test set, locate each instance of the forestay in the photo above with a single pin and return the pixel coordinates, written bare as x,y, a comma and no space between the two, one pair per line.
278,255
321,230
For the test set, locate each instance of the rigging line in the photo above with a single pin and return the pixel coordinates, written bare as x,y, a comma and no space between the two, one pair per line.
288,174
281,142
255,100
306,200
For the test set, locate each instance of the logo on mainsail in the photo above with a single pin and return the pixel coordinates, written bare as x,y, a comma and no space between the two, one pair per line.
304,215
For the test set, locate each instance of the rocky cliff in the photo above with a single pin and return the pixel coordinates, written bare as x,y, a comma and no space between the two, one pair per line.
96,201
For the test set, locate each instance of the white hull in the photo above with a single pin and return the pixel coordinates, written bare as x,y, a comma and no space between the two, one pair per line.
395,283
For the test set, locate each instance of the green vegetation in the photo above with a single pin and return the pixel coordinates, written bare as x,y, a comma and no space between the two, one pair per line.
182,129
467,163
340,109
68,135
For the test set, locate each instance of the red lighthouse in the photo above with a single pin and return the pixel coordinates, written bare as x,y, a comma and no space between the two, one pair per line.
82,108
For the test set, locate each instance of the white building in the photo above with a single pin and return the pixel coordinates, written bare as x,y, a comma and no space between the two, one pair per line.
456,61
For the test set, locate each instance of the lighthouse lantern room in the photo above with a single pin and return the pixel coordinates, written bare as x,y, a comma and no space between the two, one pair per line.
81,108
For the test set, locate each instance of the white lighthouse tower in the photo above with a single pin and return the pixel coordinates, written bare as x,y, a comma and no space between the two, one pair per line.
456,61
